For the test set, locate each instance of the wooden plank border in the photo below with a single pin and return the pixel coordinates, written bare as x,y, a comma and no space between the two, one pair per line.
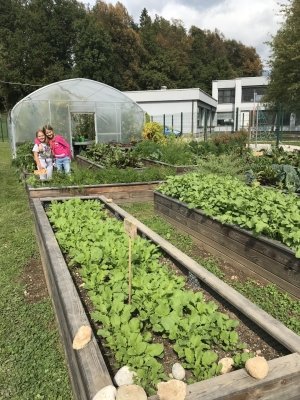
120,192
87,368
264,257
280,384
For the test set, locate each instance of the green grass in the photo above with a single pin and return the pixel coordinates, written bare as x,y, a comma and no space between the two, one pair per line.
277,303
32,363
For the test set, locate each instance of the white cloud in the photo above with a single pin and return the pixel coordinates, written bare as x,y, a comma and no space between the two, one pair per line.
251,22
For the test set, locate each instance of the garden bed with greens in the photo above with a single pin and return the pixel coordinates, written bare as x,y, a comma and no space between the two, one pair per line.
101,155
156,322
126,184
258,228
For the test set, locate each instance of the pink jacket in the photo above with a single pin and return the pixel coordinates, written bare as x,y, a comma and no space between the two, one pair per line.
60,147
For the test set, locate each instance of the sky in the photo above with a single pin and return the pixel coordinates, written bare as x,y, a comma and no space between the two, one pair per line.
251,22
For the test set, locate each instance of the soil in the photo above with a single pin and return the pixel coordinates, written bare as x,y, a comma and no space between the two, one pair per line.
34,280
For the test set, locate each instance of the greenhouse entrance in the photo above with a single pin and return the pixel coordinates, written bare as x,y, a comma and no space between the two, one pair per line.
83,131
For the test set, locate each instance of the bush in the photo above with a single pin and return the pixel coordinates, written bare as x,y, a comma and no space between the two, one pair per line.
223,143
153,131
24,160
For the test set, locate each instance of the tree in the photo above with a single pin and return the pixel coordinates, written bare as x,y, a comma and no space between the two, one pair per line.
284,86
93,55
166,62
37,44
126,48
244,60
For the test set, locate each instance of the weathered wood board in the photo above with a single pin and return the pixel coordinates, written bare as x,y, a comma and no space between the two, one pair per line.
87,368
119,192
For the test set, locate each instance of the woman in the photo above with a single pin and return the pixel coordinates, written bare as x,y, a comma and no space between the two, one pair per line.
42,155
60,149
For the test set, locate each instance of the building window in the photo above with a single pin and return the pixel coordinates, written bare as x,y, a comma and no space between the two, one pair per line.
226,96
253,94
199,117
225,118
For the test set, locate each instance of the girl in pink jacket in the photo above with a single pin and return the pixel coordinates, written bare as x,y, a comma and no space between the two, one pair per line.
60,149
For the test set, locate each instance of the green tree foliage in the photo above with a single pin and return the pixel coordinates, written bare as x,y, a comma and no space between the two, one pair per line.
93,55
284,87
37,44
44,41
126,47
213,57
166,61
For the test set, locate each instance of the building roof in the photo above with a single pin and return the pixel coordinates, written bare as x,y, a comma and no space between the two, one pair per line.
164,94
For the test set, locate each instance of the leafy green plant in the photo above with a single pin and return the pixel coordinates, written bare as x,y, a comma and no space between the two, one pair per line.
224,164
262,211
160,304
112,156
277,303
285,177
83,176
173,151
24,157
228,143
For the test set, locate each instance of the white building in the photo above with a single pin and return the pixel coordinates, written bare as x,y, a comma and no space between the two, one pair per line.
238,101
235,104
188,110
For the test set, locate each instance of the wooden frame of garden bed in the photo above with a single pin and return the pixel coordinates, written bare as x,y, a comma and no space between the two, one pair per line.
258,255
119,192
87,367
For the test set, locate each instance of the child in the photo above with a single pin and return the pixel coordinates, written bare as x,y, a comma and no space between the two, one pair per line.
60,149
42,155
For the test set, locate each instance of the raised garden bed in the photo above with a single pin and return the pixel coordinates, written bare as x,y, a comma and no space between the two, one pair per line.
85,162
119,192
264,257
88,370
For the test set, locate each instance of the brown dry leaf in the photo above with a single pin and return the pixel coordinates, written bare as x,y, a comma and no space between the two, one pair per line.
82,337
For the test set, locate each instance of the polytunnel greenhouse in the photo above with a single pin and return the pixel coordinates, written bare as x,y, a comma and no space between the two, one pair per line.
81,110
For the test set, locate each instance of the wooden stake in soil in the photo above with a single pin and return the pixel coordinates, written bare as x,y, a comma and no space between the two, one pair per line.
131,230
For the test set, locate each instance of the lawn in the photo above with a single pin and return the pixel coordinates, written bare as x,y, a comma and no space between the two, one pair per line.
32,362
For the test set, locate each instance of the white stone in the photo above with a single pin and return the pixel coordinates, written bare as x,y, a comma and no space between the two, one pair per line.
131,392
227,364
124,376
257,367
107,393
172,390
178,371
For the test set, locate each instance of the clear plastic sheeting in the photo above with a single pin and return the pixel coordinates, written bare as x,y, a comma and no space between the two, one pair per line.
116,117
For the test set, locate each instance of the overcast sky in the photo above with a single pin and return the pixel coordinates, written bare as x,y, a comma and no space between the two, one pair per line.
252,22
